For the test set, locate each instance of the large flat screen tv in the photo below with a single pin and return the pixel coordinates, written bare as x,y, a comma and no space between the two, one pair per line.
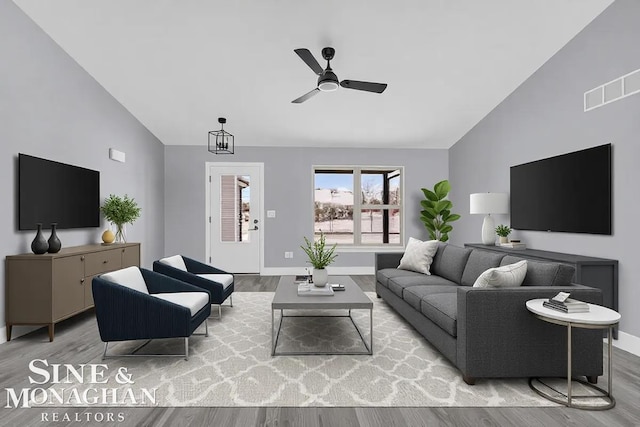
52,192
570,193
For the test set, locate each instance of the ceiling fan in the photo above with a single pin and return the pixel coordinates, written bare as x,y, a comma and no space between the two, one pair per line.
328,81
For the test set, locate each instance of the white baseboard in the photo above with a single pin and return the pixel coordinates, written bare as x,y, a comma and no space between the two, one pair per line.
337,271
627,342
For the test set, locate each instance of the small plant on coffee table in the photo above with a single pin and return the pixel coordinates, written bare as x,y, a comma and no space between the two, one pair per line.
320,256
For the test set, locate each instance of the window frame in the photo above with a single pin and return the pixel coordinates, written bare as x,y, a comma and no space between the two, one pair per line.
358,206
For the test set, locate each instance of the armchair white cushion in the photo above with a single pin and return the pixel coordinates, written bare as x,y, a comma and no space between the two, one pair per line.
175,261
224,279
129,277
194,301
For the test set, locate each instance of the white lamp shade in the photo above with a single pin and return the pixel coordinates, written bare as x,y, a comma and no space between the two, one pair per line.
489,203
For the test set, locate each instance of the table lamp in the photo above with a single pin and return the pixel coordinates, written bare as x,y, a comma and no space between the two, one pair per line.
488,203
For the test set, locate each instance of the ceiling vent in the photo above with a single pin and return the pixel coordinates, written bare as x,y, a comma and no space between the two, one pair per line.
614,90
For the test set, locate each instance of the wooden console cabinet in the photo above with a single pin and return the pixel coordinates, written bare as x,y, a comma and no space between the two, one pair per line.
45,289
601,273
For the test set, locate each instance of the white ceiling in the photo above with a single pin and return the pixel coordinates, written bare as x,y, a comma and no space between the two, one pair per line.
179,65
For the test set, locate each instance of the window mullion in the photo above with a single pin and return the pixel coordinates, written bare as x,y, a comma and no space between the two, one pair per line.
357,203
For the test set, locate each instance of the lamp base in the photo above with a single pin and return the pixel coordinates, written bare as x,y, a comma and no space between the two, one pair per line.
488,231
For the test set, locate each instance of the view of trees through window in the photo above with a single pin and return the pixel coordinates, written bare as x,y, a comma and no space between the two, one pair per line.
369,216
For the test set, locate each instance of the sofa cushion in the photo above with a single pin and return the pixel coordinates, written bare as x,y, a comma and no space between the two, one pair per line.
450,264
507,276
540,273
194,301
129,277
175,261
383,276
442,309
478,263
413,294
224,279
418,255
398,284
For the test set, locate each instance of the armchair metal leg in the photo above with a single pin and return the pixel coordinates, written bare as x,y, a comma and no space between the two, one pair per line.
231,300
133,353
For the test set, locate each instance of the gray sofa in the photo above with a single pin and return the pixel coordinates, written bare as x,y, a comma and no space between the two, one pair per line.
488,332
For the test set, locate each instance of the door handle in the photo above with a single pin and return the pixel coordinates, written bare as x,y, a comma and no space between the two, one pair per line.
254,228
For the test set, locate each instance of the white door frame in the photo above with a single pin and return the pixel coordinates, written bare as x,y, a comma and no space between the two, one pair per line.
208,213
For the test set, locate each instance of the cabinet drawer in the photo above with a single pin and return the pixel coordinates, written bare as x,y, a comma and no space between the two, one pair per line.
102,262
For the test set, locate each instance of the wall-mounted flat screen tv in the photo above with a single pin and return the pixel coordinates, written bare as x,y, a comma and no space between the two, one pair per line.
570,193
52,192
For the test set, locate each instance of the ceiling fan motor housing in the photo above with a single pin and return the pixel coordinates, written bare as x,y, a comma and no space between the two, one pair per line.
328,81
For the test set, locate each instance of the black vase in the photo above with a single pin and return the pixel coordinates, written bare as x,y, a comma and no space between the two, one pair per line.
54,242
39,244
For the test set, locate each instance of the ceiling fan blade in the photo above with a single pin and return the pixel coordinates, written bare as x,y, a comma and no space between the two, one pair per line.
305,96
366,86
310,60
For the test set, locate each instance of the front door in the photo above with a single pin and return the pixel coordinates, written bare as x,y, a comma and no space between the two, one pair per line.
235,220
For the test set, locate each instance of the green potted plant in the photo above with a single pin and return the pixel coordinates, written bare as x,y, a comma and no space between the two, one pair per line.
436,214
320,256
120,211
503,232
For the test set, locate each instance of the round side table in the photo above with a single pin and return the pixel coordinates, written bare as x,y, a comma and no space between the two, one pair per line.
597,317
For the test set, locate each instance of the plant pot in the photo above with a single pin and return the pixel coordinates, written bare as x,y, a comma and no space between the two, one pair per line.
320,277
504,239
121,233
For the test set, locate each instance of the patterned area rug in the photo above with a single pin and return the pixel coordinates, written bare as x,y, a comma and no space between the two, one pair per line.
234,367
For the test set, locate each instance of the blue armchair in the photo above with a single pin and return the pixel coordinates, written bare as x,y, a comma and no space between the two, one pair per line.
218,283
134,303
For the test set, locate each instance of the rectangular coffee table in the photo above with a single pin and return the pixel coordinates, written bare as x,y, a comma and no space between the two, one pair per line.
352,298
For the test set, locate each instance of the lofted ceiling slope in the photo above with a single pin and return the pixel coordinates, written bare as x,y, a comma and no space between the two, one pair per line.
179,65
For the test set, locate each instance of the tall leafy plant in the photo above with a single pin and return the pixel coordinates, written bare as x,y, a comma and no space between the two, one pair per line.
436,211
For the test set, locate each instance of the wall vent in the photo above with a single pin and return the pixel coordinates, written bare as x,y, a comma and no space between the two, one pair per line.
614,90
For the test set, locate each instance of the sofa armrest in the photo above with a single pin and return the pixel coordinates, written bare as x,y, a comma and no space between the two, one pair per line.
499,337
387,260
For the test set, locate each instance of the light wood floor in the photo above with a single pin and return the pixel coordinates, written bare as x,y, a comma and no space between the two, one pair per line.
77,341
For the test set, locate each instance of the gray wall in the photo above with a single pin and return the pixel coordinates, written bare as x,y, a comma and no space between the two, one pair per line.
288,184
544,117
50,107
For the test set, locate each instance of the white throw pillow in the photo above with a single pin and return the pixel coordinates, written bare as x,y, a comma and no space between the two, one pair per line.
175,261
503,277
130,277
418,255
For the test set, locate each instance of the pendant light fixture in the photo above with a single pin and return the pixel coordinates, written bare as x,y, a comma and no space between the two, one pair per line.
221,141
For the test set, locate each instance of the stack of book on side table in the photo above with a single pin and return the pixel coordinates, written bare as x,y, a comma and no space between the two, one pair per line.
562,302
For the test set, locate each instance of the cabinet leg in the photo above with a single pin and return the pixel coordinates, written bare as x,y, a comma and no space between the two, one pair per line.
9,332
593,379
50,332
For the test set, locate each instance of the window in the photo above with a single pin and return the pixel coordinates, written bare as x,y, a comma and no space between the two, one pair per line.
369,216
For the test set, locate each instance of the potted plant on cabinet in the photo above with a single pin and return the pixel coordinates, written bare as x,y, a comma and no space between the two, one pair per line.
503,232
320,256
120,211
